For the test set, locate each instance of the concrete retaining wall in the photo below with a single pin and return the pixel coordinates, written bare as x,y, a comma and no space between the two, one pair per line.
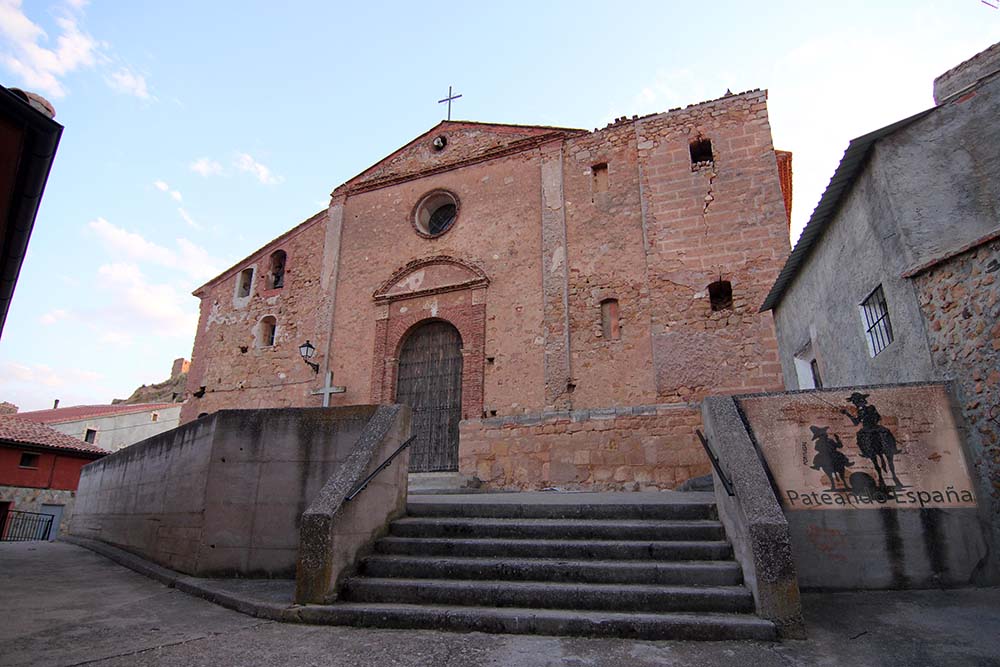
921,527
222,495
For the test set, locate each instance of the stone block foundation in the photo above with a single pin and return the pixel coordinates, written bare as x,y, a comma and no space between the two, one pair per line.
639,448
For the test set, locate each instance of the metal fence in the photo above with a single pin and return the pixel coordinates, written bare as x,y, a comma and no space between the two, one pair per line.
17,526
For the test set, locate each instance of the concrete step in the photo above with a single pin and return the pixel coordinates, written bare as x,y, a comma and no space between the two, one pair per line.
509,620
458,506
691,573
567,549
564,529
548,595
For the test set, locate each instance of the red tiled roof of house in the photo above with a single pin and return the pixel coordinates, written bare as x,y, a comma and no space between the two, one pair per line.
78,412
25,432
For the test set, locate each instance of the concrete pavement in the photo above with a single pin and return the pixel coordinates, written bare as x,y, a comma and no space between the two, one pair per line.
63,605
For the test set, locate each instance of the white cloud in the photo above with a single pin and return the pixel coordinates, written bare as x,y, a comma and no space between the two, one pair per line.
129,83
191,259
188,219
42,374
112,337
206,167
53,316
162,186
144,306
245,162
42,68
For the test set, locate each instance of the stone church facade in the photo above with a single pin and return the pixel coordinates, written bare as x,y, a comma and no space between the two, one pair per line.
553,302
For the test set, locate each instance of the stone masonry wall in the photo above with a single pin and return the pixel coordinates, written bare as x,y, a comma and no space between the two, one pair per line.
639,448
31,500
960,299
229,358
720,220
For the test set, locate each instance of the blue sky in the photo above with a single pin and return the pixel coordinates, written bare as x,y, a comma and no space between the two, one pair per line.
197,131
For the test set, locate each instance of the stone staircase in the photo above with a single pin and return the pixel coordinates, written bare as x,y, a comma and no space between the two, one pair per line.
649,566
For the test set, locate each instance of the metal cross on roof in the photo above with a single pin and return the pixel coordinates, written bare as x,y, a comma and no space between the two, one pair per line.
448,100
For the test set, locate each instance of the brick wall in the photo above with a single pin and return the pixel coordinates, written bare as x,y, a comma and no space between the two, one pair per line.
551,241
228,358
638,448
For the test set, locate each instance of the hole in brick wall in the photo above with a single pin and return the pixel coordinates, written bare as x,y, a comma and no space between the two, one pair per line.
490,360
610,328
277,276
200,392
268,327
243,349
600,177
244,282
200,415
720,295
570,387
493,413
701,152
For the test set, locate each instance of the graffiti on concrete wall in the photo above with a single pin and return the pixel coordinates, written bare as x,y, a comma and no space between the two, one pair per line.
845,449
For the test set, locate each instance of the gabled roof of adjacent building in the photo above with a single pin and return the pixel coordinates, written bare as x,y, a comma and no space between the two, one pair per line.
17,431
80,412
851,166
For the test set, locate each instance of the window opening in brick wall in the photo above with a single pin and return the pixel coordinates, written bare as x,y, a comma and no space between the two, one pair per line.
278,258
29,460
720,295
600,177
435,213
610,328
90,435
268,327
875,315
701,152
244,283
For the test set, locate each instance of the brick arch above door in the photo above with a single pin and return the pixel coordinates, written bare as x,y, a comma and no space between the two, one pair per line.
465,309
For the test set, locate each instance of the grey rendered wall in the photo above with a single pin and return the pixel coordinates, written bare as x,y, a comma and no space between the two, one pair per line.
942,174
859,251
220,495
929,188
119,431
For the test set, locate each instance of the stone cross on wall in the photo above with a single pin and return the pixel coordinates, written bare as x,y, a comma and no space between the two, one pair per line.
328,389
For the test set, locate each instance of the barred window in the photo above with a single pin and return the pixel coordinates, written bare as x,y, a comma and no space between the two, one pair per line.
875,315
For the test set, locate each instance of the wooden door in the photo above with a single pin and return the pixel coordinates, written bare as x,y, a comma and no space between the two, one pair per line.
430,382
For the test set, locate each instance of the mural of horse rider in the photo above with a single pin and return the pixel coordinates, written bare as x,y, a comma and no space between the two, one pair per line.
876,442
832,462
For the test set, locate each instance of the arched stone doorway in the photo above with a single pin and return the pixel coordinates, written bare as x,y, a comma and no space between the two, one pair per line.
429,380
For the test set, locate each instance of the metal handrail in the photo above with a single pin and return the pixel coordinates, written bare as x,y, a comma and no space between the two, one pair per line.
382,466
727,484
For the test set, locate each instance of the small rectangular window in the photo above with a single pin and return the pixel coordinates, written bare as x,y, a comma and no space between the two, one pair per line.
29,460
244,282
600,177
90,435
701,153
875,315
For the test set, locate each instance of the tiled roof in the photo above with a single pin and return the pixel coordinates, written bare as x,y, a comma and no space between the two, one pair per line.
21,431
80,412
